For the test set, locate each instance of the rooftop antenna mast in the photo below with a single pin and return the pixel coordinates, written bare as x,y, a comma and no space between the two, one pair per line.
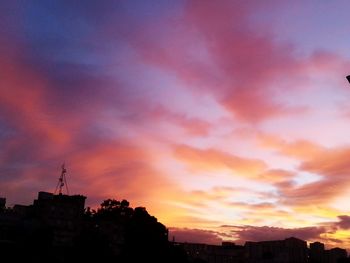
62,181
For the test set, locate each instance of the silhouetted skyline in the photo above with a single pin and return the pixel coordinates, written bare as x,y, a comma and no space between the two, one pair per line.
59,228
223,118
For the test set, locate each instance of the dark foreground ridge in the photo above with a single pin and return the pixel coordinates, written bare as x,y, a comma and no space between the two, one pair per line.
58,228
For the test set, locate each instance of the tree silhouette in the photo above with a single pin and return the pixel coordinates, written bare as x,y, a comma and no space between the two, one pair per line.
117,231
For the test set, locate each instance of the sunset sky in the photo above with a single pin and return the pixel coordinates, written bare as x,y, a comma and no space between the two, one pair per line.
227,120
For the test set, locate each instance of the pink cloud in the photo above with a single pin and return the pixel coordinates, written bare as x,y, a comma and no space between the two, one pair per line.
192,126
23,100
233,61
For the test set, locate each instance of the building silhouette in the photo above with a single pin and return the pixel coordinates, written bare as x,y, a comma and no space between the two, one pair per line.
61,213
49,225
290,250
336,254
318,254
2,203
226,253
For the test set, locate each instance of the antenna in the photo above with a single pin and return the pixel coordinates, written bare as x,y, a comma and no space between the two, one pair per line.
62,181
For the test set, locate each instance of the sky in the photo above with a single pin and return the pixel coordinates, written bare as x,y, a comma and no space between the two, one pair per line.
227,120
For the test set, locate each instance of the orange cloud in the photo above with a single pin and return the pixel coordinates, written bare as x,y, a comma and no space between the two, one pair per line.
300,149
277,176
333,166
214,160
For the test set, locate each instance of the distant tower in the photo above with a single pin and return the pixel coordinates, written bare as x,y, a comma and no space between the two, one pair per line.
62,181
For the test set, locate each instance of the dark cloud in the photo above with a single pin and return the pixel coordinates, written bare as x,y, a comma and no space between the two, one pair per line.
344,222
195,236
242,234
264,233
